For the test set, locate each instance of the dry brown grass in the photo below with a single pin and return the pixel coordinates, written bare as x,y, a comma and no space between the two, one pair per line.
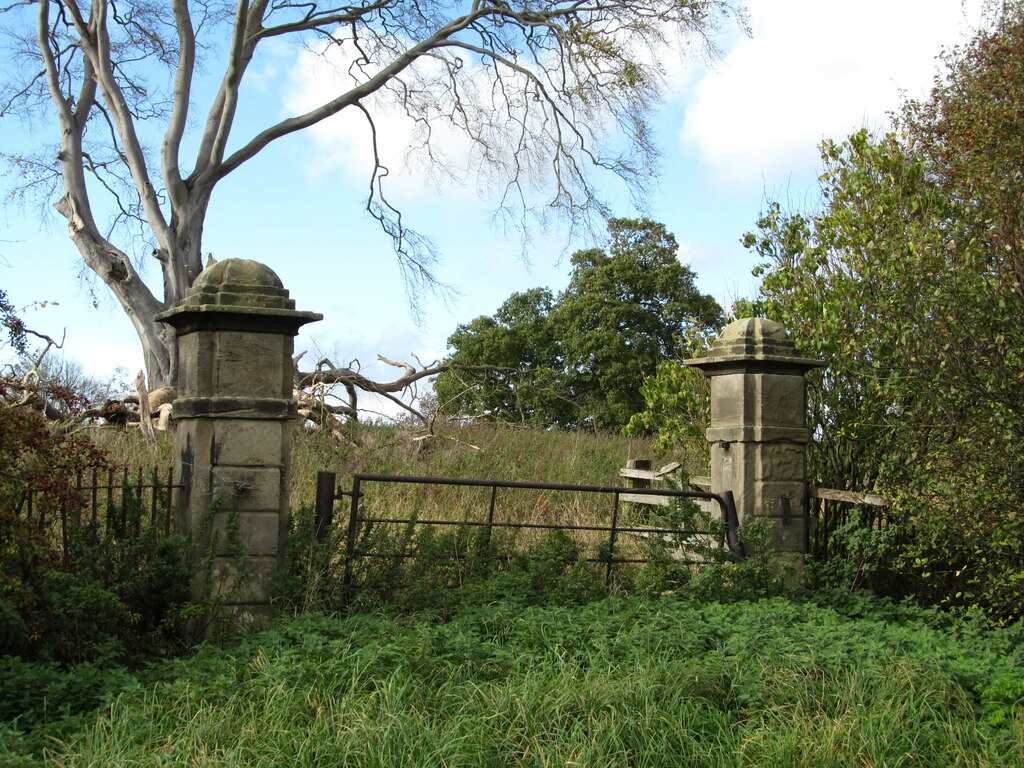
480,451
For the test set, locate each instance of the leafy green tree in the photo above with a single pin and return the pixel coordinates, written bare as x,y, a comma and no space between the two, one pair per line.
922,400
970,132
581,357
623,312
907,280
518,349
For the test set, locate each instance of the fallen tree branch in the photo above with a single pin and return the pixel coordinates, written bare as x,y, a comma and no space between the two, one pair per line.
314,388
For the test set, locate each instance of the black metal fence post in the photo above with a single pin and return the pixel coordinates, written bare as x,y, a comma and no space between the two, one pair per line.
732,524
490,514
350,543
611,542
324,516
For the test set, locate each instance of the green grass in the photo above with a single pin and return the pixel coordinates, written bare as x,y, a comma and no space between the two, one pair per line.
617,682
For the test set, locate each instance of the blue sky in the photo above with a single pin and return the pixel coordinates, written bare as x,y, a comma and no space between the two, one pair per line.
734,135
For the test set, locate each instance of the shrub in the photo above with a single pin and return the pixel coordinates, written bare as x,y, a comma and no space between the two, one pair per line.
76,589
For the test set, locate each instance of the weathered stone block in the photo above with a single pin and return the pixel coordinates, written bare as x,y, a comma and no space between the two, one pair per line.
246,442
757,431
254,616
250,365
781,400
258,533
780,461
771,492
252,583
188,365
730,396
786,536
250,489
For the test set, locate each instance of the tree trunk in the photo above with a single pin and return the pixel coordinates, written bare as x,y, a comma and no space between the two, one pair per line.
180,264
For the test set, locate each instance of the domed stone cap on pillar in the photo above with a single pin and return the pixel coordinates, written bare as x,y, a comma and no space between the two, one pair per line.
753,344
239,283
238,291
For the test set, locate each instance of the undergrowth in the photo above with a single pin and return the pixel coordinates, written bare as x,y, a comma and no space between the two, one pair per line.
620,681
403,564
497,647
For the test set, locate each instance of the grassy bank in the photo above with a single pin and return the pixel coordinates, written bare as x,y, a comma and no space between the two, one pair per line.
636,682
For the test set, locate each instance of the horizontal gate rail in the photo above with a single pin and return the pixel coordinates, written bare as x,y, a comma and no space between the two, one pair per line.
327,493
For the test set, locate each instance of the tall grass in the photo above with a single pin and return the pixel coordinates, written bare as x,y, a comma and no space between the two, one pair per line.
499,681
489,451
482,451
620,682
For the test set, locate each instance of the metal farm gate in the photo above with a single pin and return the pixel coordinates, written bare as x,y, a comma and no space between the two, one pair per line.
328,493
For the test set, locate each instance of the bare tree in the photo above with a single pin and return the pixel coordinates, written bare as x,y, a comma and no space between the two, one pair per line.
543,89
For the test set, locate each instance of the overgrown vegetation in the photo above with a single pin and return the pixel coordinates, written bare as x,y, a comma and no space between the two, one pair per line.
409,566
73,587
907,280
623,681
520,654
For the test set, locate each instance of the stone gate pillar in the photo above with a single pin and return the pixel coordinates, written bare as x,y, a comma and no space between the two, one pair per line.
235,414
758,432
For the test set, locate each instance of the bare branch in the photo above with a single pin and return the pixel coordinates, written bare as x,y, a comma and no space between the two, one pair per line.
542,92
313,388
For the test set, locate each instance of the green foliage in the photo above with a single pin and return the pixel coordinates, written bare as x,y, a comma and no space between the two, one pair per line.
582,356
523,384
114,593
907,282
34,456
677,403
408,565
423,567
1002,699
695,562
919,400
970,133
39,701
859,555
75,589
616,682
313,579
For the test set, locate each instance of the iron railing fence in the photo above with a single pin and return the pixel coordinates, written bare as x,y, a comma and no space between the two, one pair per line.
102,498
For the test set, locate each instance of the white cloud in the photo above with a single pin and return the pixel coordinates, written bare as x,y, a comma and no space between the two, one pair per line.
344,140
814,70
468,168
